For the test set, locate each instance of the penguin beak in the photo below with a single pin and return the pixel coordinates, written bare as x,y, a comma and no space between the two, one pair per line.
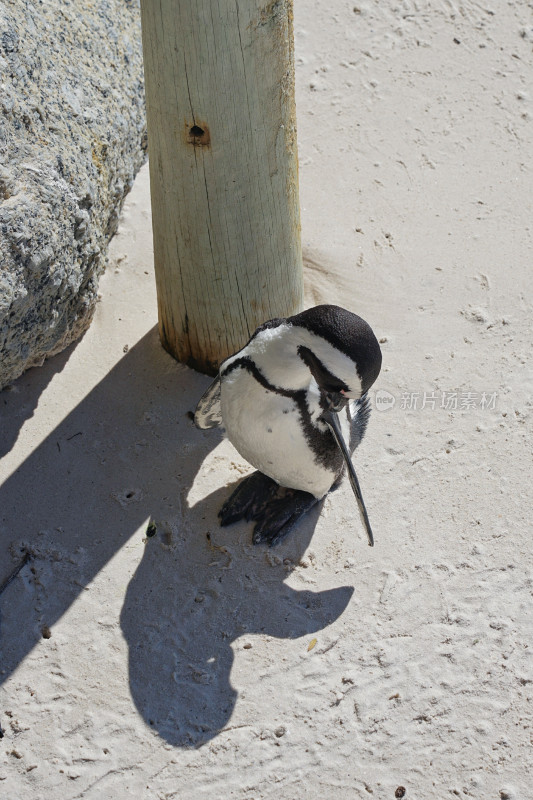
330,416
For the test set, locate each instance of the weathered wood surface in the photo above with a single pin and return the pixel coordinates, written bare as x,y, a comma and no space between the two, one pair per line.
223,170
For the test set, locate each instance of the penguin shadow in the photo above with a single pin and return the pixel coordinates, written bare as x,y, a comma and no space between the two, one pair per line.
126,454
200,593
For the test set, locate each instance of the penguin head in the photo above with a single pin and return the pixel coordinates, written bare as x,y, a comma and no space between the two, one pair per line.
339,349
344,358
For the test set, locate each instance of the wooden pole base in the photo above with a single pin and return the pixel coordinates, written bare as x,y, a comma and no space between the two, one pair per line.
223,171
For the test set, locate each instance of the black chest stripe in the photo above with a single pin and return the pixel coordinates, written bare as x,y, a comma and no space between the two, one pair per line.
321,443
246,363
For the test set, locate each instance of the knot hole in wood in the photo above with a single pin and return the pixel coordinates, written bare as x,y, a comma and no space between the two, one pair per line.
199,136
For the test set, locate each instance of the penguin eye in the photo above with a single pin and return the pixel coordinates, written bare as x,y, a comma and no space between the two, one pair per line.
335,387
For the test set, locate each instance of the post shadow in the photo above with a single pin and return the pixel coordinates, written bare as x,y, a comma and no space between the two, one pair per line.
122,455
19,400
127,452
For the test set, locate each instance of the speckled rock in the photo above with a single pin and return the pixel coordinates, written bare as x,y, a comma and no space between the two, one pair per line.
72,137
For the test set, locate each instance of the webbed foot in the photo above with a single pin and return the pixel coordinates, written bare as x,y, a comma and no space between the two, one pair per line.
275,508
249,499
281,515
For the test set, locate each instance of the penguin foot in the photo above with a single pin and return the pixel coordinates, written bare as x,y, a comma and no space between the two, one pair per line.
281,515
249,500
275,508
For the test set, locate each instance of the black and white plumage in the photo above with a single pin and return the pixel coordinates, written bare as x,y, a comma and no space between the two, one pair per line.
293,402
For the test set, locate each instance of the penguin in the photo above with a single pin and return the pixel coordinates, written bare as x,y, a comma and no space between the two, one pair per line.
294,403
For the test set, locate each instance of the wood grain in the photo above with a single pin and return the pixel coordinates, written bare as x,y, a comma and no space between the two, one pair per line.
223,170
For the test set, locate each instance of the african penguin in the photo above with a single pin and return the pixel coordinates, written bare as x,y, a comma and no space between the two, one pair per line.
294,404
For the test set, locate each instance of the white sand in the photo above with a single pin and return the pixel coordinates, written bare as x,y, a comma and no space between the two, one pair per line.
177,667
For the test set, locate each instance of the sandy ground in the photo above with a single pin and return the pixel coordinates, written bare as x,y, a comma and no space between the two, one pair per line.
179,665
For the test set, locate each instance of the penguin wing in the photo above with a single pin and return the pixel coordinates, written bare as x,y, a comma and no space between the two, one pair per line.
208,413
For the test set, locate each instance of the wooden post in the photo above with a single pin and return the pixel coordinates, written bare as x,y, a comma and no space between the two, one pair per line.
223,171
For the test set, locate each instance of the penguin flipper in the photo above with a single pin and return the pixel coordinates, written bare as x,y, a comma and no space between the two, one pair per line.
208,412
358,416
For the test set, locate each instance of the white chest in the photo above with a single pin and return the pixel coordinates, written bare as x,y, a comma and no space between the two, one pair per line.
266,430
